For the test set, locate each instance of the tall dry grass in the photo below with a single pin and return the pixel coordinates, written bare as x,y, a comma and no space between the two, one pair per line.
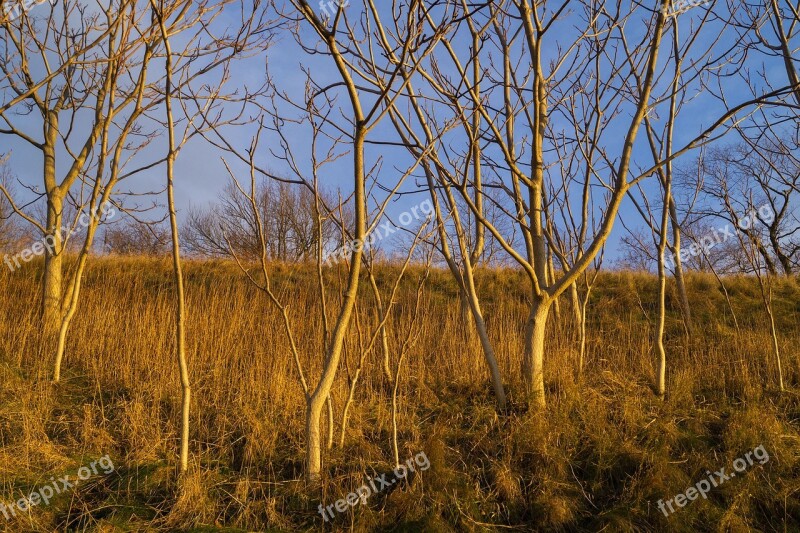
601,456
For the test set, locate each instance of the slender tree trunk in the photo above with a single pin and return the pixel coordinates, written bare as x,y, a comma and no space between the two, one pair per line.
662,354
331,426
180,325
579,317
387,371
683,296
533,363
180,299
319,396
468,289
775,348
724,291
582,352
679,277
72,304
350,398
661,386
551,279
466,321
386,367
668,214
395,443
488,352
766,293
52,284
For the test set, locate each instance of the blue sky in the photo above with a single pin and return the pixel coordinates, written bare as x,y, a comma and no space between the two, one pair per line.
200,174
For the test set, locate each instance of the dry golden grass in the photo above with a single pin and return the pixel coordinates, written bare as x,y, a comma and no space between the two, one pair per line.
600,458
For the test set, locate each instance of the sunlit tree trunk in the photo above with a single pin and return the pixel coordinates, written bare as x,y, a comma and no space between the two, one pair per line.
533,362
180,298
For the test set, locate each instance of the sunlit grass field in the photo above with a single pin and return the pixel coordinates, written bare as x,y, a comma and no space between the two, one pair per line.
599,458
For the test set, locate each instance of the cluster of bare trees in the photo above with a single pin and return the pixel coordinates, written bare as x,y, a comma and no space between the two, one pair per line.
527,125
136,237
229,226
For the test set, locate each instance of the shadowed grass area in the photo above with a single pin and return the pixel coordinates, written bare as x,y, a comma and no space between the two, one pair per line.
601,456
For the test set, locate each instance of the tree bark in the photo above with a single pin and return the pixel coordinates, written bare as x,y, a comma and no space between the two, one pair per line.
314,406
533,362
52,282
575,303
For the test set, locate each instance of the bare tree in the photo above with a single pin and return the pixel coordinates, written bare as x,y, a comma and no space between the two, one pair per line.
180,298
752,221
762,179
289,222
51,97
212,48
662,146
136,237
320,110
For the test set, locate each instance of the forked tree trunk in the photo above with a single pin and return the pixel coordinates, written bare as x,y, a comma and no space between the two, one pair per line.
579,327
72,306
533,362
317,399
386,365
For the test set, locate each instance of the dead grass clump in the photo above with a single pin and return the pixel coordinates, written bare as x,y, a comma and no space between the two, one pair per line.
193,503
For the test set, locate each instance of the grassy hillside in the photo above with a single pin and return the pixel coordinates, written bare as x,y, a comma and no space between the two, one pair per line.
601,456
